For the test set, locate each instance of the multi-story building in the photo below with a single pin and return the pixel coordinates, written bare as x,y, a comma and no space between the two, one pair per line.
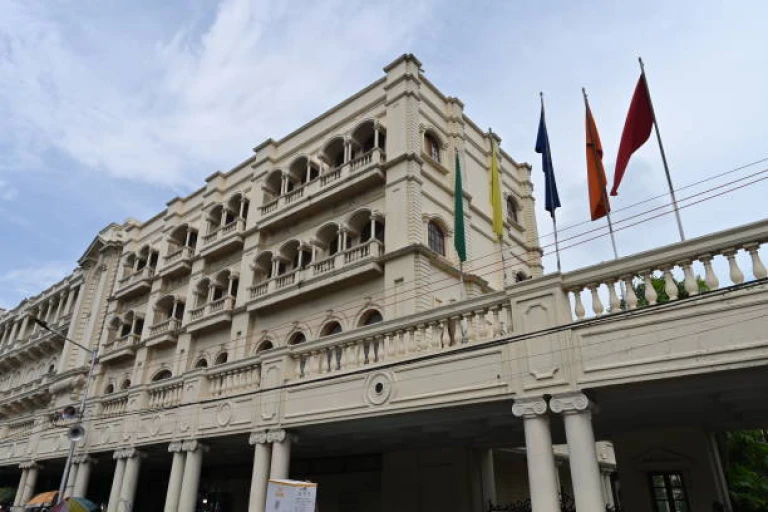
309,303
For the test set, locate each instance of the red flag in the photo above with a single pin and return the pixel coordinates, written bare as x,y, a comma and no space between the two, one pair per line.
637,129
598,200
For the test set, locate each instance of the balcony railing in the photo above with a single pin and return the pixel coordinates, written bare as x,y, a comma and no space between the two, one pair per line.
164,327
139,275
370,250
217,306
233,378
165,394
473,321
113,405
311,189
236,226
678,265
179,255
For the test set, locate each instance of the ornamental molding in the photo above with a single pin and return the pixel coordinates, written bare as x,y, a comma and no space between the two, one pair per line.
127,453
569,403
175,447
529,407
193,446
257,438
30,465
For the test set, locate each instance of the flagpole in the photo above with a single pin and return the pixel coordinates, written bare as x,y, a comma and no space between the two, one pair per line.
552,213
663,154
602,183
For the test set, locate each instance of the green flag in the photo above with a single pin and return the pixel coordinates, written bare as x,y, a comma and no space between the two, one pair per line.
459,242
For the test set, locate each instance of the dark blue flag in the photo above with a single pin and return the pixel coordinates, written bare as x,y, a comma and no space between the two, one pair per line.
550,187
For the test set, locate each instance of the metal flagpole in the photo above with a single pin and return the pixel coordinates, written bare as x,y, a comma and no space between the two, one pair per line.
663,154
548,189
600,176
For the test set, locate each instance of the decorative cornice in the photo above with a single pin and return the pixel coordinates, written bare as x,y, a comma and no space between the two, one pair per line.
529,407
569,403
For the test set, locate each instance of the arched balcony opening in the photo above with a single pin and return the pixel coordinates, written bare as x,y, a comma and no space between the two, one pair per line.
328,240
109,389
162,375
182,236
334,153
202,292
169,308
331,328
237,208
370,317
273,186
221,358
216,218
125,384
302,170
147,257
262,267
201,363
296,338
129,324
288,257
366,137
365,226
224,285
264,346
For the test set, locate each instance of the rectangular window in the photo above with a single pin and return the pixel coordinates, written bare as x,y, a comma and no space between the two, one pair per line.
668,492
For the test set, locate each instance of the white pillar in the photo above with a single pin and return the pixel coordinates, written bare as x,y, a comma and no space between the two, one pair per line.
22,485
83,475
29,482
117,482
488,477
607,488
542,477
71,477
174,482
262,456
191,478
582,454
130,480
281,453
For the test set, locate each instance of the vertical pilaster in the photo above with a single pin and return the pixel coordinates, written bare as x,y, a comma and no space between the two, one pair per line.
117,482
281,453
582,454
262,457
175,480
488,476
190,483
542,474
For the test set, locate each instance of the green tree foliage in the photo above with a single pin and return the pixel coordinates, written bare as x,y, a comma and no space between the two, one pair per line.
747,470
7,494
659,284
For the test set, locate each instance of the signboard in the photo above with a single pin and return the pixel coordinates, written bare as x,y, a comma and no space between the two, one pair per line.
291,496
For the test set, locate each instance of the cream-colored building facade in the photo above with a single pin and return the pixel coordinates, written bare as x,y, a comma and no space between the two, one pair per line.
302,315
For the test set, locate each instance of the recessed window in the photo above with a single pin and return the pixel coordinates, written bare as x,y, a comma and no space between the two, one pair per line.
297,338
512,209
222,358
125,384
371,317
668,492
436,238
330,329
201,363
162,375
432,146
109,389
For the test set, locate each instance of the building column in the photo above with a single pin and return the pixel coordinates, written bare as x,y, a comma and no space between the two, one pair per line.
191,478
174,481
262,456
117,481
582,454
281,453
32,469
607,488
488,477
542,477
84,463
22,485
71,477
130,480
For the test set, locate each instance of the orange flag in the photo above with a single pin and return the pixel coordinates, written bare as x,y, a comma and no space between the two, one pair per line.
598,199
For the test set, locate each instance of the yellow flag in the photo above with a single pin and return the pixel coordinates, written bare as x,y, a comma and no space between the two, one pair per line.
498,220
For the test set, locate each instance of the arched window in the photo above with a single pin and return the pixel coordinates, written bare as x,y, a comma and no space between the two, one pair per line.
109,389
436,238
331,328
162,375
201,363
265,345
432,146
125,384
222,358
512,208
371,317
297,338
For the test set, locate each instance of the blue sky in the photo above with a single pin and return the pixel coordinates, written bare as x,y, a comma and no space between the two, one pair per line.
108,109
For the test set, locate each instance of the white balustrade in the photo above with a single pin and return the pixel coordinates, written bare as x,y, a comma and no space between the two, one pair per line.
234,379
165,394
114,405
681,270
165,326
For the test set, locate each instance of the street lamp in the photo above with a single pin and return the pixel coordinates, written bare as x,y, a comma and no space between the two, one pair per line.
72,438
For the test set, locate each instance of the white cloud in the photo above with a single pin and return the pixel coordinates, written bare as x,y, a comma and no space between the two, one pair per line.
207,96
30,280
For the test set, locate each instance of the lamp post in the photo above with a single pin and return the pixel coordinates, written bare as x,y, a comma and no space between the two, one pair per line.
73,441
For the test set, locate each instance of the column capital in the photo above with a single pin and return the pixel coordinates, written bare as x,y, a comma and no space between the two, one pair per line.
30,465
261,437
127,453
280,435
83,459
570,403
193,445
529,407
175,447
